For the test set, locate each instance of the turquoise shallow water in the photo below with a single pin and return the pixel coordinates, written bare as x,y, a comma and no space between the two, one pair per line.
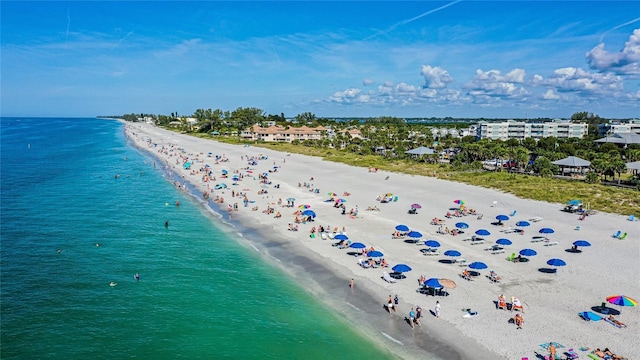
201,294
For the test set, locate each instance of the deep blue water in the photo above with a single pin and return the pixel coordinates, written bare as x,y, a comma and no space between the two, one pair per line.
201,294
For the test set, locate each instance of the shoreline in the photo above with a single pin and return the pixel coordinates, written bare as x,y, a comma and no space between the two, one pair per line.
325,270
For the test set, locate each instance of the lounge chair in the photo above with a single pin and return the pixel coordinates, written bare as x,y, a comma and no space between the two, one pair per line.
386,277
510,258
538,239
611,320
466,275
632,218
429,251
494,248
551,243
623,236
461,262
513,213
497,251
617,234
477,241
535,219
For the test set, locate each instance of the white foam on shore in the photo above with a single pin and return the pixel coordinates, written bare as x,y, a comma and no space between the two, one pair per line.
391,338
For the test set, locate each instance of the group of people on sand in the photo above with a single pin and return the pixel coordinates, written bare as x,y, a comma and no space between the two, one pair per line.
371,263
515,304
415,314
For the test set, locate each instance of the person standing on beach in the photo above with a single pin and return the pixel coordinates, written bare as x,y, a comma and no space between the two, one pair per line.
552,351
351,284
390,305
437,309
412,318
418,315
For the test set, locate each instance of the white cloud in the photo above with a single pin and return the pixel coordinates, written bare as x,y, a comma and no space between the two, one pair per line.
405,88
493,84
551,95
572,79
367,82
627,61
435,77
349,96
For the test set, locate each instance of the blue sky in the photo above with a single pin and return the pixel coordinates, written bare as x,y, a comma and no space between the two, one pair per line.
509,59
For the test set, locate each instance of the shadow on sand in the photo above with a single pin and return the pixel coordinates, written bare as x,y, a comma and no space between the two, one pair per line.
548,270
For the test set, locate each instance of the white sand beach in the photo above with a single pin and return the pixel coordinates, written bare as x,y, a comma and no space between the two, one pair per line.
551,300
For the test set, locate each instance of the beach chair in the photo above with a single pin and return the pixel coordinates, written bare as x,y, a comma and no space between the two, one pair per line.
513,213
623,236
535,219
477,241
510,258
617,234
551,243
507,230
614,322
538,239
386,277
497,251
466,275
632,218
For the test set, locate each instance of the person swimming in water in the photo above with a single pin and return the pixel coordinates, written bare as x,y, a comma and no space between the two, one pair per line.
113,283
166,224
136,276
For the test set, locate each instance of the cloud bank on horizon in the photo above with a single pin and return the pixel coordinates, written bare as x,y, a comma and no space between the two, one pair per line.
335,59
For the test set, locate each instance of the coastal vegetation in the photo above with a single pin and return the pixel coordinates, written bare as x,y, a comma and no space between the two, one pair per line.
528,171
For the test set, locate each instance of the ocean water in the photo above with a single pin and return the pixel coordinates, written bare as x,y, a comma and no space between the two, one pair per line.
201,294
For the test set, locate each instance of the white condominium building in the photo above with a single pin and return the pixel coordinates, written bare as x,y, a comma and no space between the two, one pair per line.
519,130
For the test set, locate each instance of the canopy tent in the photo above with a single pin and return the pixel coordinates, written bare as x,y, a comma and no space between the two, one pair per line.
575,164
572,161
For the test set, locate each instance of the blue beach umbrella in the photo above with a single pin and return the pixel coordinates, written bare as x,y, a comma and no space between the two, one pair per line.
341,237
523,223
505,242
357,245
581,243
375,253
502,218
483,232
452,253
528,252
432,243
291,199
433,283
225,172
402,228
546,231
414,234
556,262
309,213
478,265
462,225
401,268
